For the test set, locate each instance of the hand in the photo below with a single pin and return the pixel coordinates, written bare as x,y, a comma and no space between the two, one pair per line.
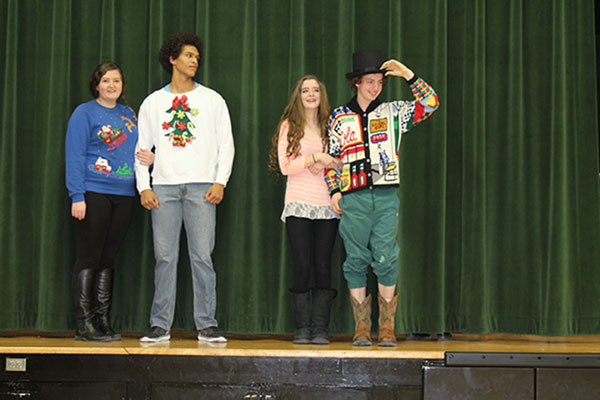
330,162
145,157
149,199
335,203
337,163
396,68
78,210
318,161
316,168
215,193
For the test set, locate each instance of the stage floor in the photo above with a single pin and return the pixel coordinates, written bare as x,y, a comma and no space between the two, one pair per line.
183,343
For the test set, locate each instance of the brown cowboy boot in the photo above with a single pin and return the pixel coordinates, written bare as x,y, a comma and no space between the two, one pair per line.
387,314
362,320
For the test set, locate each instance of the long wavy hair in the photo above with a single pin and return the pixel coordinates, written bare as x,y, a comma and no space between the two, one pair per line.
293,115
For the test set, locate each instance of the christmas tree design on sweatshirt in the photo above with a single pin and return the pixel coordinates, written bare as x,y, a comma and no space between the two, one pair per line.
180,122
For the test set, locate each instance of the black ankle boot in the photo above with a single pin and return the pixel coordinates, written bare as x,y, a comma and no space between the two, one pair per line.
301,308
104,290
83,291
321,310
418,336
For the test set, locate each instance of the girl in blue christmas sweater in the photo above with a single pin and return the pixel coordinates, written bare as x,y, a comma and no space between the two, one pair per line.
99,153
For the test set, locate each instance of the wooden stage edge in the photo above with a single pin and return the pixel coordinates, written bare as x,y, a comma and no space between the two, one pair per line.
183,343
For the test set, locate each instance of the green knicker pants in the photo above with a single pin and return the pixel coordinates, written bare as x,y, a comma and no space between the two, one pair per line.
369,227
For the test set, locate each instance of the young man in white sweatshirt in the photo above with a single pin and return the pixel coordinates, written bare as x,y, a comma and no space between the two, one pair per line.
189,127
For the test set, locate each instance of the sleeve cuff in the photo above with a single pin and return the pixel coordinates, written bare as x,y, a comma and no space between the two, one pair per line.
412,80
142,188
221,182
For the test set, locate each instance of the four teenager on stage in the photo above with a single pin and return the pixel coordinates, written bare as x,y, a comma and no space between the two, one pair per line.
341,170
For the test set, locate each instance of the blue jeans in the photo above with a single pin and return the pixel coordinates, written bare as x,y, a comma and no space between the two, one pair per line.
183,203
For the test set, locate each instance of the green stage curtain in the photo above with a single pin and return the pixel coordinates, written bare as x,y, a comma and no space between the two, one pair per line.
499,220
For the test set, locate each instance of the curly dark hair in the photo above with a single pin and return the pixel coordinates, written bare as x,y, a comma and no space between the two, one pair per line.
173,45
99,72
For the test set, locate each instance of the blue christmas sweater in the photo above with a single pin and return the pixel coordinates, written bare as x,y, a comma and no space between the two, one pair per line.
100,150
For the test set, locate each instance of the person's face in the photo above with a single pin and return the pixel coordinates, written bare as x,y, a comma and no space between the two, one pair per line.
369,87
310,93
110,87
187,62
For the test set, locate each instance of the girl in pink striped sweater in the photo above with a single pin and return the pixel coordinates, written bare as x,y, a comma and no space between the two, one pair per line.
299,152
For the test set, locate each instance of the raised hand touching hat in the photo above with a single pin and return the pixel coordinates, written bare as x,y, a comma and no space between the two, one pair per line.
396,68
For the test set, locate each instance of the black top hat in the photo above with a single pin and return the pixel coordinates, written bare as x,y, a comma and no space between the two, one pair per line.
366,62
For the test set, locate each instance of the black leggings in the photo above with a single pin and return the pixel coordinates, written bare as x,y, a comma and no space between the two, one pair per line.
311,240
101,232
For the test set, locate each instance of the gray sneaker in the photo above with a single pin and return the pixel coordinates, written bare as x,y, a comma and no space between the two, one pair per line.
156,334
211,334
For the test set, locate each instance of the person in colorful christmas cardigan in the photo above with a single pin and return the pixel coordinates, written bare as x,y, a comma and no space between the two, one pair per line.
99,153
188,125
298,152
365,134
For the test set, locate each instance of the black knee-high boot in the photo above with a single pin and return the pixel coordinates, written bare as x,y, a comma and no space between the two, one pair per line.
321,310
104,291
83,291
301,305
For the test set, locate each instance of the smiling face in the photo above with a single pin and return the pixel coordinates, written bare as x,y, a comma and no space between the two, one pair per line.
310,94
187,61
110,88
369,88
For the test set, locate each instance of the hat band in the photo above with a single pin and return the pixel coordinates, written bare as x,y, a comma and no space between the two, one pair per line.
366,69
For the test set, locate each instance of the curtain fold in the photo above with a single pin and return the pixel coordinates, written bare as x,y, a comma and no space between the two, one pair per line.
500,192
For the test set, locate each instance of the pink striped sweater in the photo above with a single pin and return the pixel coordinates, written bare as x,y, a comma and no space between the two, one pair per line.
303,187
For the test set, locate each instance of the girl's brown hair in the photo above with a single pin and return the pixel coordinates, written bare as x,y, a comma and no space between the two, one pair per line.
99,72
293,115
